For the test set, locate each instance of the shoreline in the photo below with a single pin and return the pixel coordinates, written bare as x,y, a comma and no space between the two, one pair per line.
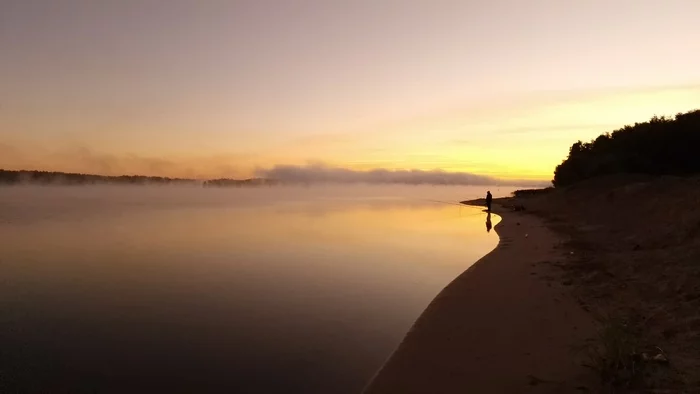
506,324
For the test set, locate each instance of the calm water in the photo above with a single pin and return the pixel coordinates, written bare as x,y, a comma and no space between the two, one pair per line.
290,290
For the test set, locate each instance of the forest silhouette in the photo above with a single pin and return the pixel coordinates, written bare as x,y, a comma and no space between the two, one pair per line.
63,178
661,146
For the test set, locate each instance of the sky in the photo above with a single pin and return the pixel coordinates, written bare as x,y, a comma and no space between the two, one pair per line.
205,88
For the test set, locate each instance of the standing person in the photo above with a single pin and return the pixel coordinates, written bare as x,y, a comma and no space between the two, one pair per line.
489,198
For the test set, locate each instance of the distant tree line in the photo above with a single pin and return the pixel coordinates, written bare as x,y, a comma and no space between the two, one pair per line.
62,178
661,146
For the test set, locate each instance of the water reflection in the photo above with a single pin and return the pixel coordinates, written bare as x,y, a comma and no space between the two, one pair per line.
293,296
488,222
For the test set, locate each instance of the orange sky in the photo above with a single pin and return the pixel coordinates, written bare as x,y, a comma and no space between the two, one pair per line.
222,88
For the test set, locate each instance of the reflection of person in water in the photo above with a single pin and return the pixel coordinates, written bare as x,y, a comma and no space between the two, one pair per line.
488,222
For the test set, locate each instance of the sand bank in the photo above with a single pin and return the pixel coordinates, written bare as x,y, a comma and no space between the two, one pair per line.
506,325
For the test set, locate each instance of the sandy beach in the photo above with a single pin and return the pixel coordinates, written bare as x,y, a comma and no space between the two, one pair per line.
506,325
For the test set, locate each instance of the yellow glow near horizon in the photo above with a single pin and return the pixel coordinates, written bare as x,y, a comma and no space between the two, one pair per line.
520,142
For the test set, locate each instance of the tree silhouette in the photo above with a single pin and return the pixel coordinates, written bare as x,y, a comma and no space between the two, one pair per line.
63,178
661,146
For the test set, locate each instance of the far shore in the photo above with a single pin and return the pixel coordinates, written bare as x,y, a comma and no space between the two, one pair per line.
505,325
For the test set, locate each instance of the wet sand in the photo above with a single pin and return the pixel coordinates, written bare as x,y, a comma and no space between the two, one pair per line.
506,325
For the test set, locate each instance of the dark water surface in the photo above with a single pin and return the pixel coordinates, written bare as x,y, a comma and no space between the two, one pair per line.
233,291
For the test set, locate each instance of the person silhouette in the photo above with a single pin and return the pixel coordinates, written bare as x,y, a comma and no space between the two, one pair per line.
489,198
488,222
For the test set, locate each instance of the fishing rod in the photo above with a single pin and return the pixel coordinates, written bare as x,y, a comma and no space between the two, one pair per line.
443,202
455,203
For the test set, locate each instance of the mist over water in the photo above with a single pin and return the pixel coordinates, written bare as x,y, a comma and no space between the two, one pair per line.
182,289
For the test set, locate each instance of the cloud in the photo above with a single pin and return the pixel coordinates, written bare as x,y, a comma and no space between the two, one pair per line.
320,173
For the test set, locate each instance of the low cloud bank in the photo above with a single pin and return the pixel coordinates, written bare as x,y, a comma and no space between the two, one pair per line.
328,174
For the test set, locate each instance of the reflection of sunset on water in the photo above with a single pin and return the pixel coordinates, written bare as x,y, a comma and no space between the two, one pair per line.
251,278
